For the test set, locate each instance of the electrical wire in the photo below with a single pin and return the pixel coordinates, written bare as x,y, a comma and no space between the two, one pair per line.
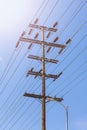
74,15
51,11
9,66
78,43
76,85
27,120
1,92
43,7
67,9
75,79
14,105
25,110
16,102
82,51
36,13
72,73
14,109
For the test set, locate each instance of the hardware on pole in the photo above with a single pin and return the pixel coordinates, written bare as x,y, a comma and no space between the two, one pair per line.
43,97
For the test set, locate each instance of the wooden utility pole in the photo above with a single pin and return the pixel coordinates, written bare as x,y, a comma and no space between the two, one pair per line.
43,84
43,97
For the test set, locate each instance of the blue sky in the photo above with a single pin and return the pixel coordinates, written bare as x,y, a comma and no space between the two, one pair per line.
18,112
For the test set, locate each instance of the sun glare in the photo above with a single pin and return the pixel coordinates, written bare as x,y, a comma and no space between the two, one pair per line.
16,14
12,13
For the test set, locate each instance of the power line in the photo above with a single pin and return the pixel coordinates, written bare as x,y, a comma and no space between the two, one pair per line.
43,8
21,114
76,85
27,119
76,78
74,15
12,75
72,73
36,13
15,92
67,9
15,103
82,51
78,43
51,11
9,66
79,29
